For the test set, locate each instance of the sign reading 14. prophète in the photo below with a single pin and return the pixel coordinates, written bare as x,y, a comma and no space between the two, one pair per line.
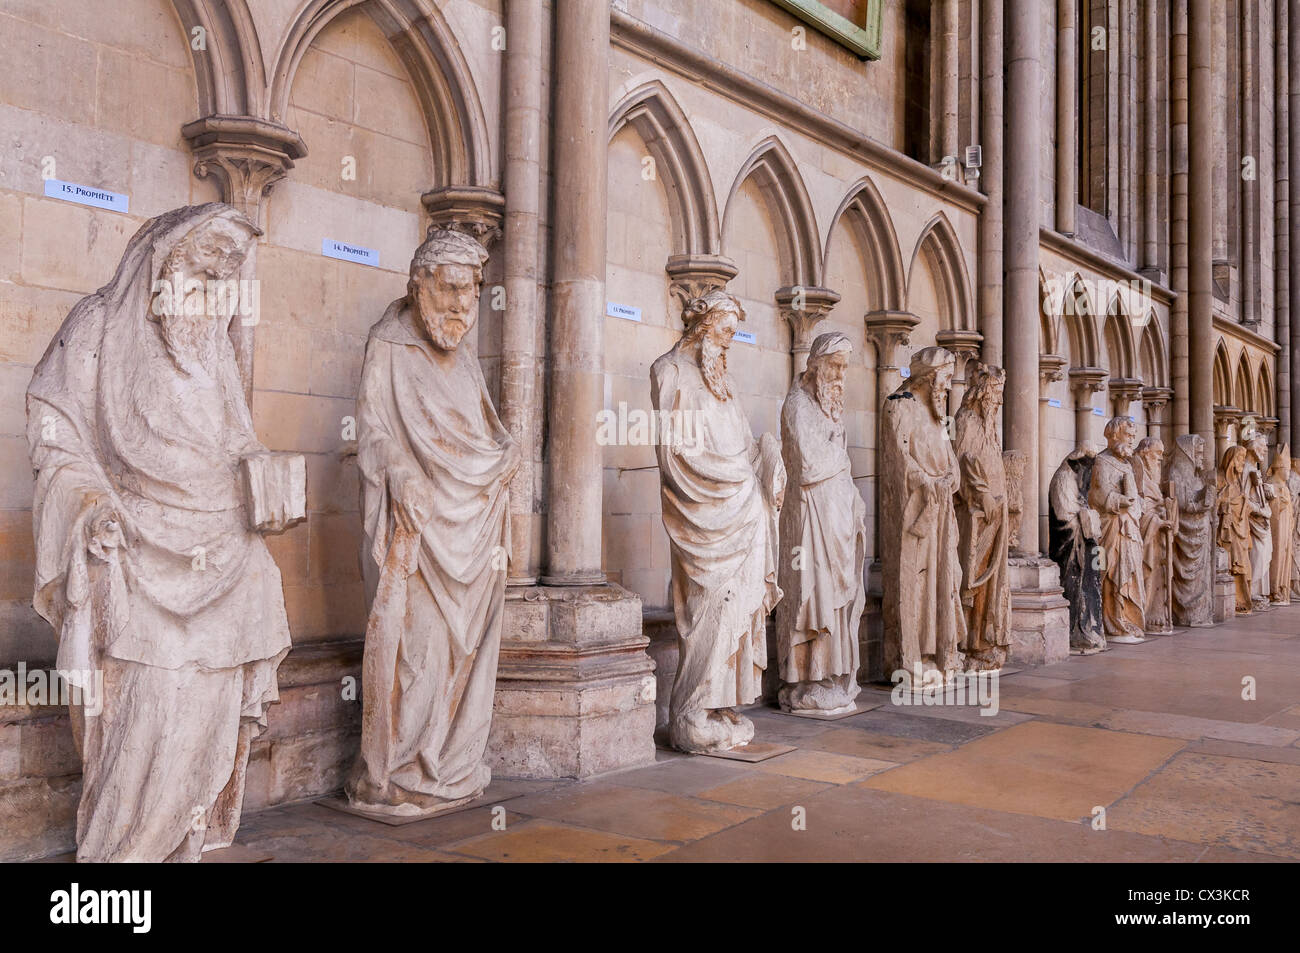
344,251
85,195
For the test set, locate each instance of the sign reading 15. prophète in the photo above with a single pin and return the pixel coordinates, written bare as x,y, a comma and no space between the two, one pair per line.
85,195
348,252
625,311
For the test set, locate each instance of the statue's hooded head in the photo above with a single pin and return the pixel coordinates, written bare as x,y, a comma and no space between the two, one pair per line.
930,377
711,321
1277,472
1234,463
446,275
1191,447
828,361
197,258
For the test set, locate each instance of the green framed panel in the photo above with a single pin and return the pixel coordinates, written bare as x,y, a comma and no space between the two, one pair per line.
863,38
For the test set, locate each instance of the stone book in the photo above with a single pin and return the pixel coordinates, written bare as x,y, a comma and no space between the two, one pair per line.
275,489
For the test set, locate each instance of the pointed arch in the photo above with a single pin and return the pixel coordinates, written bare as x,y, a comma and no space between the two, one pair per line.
1243,387
652,111
229,71
1119,339
939,249
1078,314
789,207
864,213
1048,316
1154,365
444,85
1264,400
1222,377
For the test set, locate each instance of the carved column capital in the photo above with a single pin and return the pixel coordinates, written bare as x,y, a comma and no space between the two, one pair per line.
1086,381
888,331
248,156
1155,399
804,308
1225,417
965,346
476,211
1123,391
1051,369
690,276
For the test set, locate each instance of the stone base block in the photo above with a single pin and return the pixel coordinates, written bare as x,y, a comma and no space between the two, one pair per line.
575,688
1040,614
1225,588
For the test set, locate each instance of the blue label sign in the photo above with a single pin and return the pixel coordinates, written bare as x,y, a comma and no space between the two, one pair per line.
1053,402
625,311
348,252
904,372
1098,412
85,195
746,336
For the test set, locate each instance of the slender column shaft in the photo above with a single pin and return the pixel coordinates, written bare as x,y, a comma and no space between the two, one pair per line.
990,221
1178,214
1200,220
1067,115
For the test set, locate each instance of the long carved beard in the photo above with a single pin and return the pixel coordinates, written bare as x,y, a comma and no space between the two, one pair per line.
938,401
445,333
830,397
713,365
189,339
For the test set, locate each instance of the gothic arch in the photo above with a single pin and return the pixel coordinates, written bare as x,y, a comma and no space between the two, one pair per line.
1244,390
652,111
1264,400
1078,313
1119,339
229,73
941,252
1048,317
427,47
1154,356
790,209
1222,377
865,215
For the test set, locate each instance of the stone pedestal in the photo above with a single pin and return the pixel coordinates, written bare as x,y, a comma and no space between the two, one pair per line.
575,690
1225,594
1040,614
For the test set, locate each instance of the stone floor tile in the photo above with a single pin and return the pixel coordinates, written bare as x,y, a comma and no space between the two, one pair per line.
892,721
635,812
824,766
547,841
763,790
1193,729
874,744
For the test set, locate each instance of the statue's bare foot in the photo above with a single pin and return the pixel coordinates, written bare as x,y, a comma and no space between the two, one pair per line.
702,731
828,695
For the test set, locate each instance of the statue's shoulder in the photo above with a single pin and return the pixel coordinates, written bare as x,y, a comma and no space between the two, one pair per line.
393,327
666,368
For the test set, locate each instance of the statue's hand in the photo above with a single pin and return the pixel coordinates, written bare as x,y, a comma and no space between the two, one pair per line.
413,499
104,532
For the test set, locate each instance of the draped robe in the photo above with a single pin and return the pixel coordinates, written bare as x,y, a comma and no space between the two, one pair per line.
1293,483
722,533
186,618
922,613
983,527
1261,533
1193,550
434,635
1157,566
1123,594
1282,524
1234,535
825,517
1073,529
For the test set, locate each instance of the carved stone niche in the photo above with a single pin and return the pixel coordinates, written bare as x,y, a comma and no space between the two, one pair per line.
478,212
690,276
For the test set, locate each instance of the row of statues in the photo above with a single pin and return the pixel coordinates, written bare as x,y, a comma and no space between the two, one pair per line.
153,496
1138,552
742,541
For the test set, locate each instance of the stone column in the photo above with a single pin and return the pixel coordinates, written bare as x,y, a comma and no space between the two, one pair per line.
1123,391
1178,273
1023,201
575,689
1226,420
520,377
804,308
1155,402
965,346
944,73
1200,220
1084,382
247,157
1292,355
1281,205
1248,270
1153,58
990,219
1067,115
1051,370
577,343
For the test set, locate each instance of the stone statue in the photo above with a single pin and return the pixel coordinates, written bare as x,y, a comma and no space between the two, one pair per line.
923,619
1013,465
1293,483
720,497
1235,503
1260,495
1159,524
435,464
1114,494
1282,523
983,520
1193,541
1074,531
148,565
824,540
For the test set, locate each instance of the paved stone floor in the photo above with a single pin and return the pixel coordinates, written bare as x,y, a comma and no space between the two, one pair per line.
1157,734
